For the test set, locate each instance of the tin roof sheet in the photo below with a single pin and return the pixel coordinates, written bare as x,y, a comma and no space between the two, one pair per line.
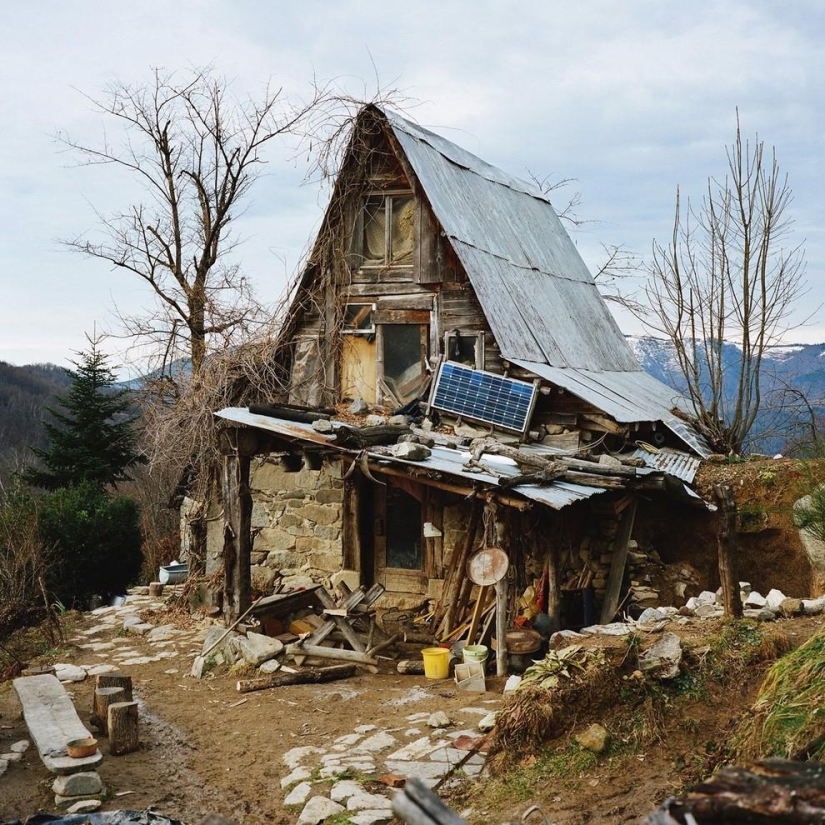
539,297
673,462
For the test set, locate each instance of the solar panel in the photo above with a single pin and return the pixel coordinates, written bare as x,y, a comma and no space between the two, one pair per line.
483,396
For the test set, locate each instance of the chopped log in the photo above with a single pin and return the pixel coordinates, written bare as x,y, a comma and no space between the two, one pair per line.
596,468
593,480
501,627
410,667
288,413
302,677
103,698
770,792
361,437
107,680
122,723
155,590
726,544
299,649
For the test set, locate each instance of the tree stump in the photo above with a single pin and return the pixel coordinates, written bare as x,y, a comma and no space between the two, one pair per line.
155,590
122,722
104,697
110,680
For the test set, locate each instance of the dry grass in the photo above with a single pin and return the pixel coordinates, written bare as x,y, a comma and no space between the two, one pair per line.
788,718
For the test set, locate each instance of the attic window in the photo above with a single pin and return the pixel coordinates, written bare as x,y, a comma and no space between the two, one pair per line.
387,238
358,319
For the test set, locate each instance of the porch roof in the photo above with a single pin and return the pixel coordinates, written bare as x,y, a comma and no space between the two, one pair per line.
444,461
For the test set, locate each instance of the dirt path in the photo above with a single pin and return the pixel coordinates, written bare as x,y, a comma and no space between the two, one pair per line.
205,748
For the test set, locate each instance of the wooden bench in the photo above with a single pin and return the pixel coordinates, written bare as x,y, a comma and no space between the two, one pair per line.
53,722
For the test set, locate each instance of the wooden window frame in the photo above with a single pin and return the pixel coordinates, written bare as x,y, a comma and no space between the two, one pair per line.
387,265
479,345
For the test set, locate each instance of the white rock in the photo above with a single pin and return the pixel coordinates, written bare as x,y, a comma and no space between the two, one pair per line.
562,638
439,719
410,451
709,611
292,758
745,587
612,629
270,666
813,607
761,614
140,629
662,660
84,783
20,747
257,648
317,810
370,728
11,756
4,765
348,739
298,775
377,742
69,673
651,615
96,670
488,722
299,794
129,619
363,801
162,633
706,597
343,790
85,806
774,599
755,599
371,817
415,750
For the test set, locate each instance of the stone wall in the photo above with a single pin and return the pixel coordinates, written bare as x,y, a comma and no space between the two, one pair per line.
296,522
296,526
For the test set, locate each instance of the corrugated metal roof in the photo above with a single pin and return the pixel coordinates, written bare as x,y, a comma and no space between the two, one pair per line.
442,460
673,462
628,396
534,288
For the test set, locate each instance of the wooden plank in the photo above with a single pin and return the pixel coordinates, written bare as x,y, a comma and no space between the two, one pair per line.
343,625
617,564
299,649
501,627
52,722
481,601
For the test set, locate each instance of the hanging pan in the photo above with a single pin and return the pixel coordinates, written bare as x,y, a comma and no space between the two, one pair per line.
488,566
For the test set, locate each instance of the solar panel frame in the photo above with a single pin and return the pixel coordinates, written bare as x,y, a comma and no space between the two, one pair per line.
484,396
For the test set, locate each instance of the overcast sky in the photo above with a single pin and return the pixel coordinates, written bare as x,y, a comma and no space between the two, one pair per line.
629,98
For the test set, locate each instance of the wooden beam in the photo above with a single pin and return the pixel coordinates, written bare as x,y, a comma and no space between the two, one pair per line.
237,535
501,627
617,564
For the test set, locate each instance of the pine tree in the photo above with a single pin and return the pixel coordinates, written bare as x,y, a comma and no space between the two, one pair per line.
92,440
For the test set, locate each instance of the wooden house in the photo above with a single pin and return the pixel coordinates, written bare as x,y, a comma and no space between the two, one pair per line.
437,286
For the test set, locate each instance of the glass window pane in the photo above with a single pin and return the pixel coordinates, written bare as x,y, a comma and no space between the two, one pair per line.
403,220
375,231
403,530
404,371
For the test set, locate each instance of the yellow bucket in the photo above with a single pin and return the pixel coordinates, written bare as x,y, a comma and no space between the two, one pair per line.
436,662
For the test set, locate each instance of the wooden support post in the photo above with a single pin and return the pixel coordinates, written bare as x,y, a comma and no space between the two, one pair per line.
122,722
617,563
553,588
103,698
501,627
481,601
237,546
727,548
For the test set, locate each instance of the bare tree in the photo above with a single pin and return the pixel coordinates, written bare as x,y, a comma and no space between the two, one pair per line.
727,275
195,150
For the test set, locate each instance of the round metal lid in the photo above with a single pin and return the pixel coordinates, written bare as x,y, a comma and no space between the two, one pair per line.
488,566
